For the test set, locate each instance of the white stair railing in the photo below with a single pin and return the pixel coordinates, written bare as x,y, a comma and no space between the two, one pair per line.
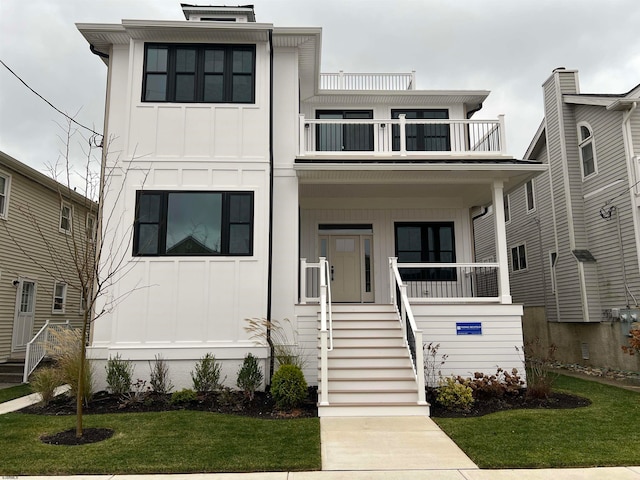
412,335
37,347
326,329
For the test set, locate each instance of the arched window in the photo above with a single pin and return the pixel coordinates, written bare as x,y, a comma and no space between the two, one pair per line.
587,149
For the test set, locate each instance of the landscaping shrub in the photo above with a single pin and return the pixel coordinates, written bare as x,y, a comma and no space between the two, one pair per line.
454,395
186,395
499,385
538,360
66,352
432,365
288,386
119,374
206,377
285,351
138,393
159,376
634,342
45,381
249,376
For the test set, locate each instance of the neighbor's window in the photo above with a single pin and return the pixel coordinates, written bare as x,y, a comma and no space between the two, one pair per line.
425,242
199,73
518,258
193,223
66,212
507,209
5,180
553,258
59,297
530,193
587,150
90,227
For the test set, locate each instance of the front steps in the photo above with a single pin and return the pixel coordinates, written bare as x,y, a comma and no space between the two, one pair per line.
11,371
370,370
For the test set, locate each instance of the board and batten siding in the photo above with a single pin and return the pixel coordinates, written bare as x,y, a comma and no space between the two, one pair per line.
25,253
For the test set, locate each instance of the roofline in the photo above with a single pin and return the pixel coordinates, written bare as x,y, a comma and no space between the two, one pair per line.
44,180
539,135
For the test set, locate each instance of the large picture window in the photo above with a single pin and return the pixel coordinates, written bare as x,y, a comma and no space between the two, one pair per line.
199,73
425,242
193,223
423,137
344,137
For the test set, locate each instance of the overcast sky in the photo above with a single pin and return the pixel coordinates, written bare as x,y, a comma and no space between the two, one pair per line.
507,46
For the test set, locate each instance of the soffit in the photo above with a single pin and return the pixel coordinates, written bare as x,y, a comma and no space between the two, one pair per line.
473,99
307,41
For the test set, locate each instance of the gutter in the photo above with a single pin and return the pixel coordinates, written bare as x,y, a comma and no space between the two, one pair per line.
270,251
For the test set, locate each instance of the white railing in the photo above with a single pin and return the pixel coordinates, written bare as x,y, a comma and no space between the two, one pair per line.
368,81
451,282
38,346
412,336
401,137
326,330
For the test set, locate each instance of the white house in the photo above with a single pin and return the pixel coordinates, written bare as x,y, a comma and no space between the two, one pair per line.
243,167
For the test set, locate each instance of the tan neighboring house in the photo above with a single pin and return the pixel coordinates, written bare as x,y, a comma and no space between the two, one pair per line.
39,220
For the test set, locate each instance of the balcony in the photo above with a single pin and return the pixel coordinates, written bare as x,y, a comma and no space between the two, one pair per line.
368,81
401,137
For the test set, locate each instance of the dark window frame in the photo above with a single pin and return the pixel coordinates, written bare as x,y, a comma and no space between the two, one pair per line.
225,223
428,274
347,131
199,73
421,132
519,258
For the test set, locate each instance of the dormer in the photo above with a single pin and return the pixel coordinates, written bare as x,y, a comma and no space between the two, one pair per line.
218,13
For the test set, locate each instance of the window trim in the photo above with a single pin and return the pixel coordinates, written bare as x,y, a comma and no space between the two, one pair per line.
532,208
91,231
4,207
225,223
582,144
63,297
199,73
507,209
61,229
512,265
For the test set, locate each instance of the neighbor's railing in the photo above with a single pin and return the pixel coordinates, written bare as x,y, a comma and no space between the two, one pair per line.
38,346
400,136
412,336
368,81
461,282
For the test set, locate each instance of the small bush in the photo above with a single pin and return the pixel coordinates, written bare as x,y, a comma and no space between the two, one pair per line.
139,393
634,342
66,352
454,395
206,377
432,365
159,376
119,374
538,359
288,387
45,381
186,395
499,385
249,376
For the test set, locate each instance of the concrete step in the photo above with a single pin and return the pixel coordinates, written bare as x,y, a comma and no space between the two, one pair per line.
12,367
388,410
10,377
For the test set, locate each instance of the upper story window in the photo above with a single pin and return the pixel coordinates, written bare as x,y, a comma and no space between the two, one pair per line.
507,209
193,223
586,146
530,193
426,242
423,137
66,213
59,297
199,73
5,181
90,227
337,137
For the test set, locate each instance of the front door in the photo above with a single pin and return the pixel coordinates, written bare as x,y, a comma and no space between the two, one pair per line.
25,309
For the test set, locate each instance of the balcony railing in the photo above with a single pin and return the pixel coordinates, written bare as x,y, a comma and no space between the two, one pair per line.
368,81
400,137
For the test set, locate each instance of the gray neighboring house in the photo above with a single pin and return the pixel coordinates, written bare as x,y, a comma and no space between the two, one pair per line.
36,273
573,233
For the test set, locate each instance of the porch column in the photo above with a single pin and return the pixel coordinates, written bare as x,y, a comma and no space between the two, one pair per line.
502,254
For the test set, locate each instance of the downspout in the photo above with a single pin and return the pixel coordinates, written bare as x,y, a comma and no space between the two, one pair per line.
270,252
98,53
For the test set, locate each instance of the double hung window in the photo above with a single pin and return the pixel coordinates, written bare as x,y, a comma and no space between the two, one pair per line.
199,73
518,258
66,213
423,137
426,242
344,137
4,195
529,191
587,150
59,297
193,223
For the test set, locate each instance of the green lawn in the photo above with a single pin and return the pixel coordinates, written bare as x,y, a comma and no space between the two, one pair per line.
11,393
165,442
607,433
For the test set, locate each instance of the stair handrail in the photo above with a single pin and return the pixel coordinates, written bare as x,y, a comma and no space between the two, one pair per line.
326,329
37,348
412,335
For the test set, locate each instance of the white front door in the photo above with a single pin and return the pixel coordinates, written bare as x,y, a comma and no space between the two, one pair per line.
25,308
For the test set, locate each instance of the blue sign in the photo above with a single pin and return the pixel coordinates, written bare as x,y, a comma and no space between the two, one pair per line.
468,328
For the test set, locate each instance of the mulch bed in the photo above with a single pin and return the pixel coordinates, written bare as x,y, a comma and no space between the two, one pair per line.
68,437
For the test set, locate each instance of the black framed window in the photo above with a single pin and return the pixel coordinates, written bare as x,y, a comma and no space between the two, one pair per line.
193,223
199,73
422,137
341,137
426,242
518,258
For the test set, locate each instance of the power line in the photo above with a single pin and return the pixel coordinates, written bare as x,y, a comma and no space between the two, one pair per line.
71,119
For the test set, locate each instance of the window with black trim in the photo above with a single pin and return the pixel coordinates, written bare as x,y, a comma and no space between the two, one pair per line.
529,192
507,209
518,258
423,137
425,242
343,137
199,73
587,150
193,223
